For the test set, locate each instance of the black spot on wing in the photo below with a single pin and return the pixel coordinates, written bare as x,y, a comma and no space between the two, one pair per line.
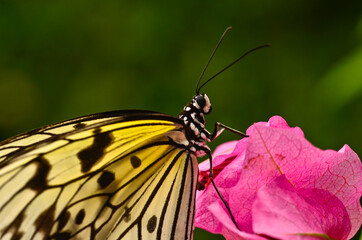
135,161
44,221
39,181
79,125
80,217
105,179
63,219
14,227
127,216
90,155
151,224
60,236
17,235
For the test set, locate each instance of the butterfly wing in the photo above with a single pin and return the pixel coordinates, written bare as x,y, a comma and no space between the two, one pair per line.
115,175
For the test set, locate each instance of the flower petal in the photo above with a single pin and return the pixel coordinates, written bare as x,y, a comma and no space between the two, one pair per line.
274,149
306,166
229,231
283,212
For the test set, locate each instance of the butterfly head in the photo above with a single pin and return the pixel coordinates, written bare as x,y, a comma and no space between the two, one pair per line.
202,103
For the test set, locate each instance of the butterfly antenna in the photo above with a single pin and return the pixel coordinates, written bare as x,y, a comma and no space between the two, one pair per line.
237,60
212,55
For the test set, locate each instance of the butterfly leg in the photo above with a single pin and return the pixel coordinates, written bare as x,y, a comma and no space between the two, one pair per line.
208,152
217,132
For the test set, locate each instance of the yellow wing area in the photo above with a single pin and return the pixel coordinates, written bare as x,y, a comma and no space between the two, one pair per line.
115,175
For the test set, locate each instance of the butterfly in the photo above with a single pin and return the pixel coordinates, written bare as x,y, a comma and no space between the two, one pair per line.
116,175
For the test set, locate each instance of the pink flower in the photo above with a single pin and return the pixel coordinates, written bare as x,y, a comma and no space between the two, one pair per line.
278,185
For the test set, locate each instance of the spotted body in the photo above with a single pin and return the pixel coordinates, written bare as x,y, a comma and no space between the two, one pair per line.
193,116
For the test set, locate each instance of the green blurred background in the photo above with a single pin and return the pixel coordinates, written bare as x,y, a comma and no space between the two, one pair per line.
63,59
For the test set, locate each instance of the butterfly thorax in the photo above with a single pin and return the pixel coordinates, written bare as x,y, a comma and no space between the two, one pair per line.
194,120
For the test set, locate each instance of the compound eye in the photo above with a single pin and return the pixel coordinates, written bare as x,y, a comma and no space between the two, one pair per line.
200,100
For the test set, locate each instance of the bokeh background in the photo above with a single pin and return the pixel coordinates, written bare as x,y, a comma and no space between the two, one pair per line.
63,59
